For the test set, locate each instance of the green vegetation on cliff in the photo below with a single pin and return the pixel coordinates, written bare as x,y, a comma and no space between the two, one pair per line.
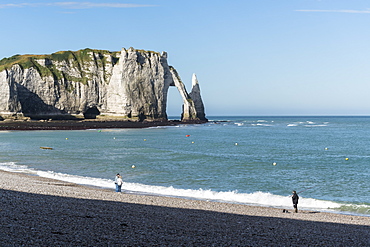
149,52
78,59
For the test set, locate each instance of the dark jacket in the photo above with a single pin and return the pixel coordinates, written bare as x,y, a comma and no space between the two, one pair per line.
295,198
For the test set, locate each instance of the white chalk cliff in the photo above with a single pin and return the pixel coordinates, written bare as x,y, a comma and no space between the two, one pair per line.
128,85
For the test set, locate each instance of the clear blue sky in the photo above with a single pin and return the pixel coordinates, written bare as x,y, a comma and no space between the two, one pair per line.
251,57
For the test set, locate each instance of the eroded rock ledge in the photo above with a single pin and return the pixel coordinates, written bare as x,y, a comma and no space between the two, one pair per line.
85,124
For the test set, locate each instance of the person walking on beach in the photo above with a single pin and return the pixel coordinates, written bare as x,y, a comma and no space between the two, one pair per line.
118,181
295,198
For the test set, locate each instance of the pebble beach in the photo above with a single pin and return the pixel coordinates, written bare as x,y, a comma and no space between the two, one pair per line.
37,211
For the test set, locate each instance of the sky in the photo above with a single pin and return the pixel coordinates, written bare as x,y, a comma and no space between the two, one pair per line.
251,57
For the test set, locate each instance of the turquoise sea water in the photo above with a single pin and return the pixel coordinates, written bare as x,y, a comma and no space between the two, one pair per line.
249,160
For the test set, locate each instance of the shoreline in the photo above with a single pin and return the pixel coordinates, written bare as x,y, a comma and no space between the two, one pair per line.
85,124
50,211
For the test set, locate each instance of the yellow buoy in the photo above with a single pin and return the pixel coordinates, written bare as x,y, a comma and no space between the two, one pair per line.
236,144
133,166
274,164
144,139
347,159
326,148
192,142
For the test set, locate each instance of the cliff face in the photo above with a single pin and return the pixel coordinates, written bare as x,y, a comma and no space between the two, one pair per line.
131,84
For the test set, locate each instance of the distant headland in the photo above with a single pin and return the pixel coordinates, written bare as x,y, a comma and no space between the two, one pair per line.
94,87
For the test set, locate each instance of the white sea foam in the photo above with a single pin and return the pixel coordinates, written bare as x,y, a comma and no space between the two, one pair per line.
257,198
264,125
314,124
306,124
292,125
99,182
167,127
13,167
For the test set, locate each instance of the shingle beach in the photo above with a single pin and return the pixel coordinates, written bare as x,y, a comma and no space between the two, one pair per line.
37,211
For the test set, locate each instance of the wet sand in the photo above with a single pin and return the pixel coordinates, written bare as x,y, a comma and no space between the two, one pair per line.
37,211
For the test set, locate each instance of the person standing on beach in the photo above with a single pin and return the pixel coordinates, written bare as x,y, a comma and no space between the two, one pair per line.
119,183
118,188
295,198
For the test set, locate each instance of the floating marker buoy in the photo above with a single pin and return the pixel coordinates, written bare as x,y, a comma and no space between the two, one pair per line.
66,138
144,139
187,135
326,148
274,164
114,138
192,142
347,159
133,166
236,144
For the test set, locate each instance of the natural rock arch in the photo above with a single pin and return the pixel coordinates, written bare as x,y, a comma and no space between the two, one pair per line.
130,85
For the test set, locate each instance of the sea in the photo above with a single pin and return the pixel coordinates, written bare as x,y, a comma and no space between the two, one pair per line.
233,159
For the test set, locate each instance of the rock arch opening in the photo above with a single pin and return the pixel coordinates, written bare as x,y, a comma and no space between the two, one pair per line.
174,104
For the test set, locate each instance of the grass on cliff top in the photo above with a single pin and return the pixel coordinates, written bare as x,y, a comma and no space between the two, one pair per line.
149,52
77,59
27,61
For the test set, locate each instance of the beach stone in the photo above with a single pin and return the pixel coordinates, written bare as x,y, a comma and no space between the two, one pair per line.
38,211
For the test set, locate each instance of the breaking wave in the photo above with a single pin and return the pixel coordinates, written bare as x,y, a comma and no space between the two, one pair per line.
257,198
